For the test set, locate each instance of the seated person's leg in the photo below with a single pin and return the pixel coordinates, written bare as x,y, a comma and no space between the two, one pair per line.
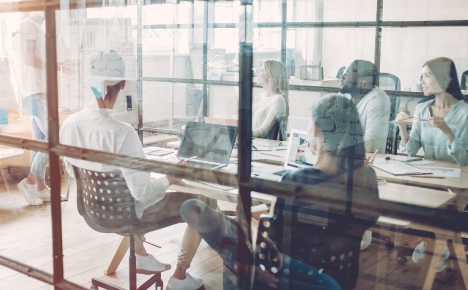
219,231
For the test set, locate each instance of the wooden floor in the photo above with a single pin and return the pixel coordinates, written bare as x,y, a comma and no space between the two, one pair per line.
26,236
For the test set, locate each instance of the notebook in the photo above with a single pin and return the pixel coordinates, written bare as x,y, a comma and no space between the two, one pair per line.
211,144
398,168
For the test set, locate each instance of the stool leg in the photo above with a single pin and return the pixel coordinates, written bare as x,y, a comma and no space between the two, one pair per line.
132,264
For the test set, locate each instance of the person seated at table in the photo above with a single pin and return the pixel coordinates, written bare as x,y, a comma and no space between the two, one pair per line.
439,125
336,136
271,105
95,128
373,104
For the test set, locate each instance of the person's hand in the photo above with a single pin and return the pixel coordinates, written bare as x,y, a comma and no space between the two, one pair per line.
402,118
266,278
370,159
439,122
173,179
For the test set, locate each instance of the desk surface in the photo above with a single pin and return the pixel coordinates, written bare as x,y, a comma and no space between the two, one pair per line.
456,184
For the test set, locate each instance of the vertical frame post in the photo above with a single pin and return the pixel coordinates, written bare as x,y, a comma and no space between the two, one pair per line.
205,59
284,16
140,68
53,127
378,37
244,259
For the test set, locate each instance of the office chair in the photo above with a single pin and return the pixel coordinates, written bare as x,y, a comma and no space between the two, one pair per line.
391,82
105,203
340,72
334,250
279,130
464,80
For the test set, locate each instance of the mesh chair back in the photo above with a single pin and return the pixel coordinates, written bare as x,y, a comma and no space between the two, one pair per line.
391,82
104,200
464,81
331,249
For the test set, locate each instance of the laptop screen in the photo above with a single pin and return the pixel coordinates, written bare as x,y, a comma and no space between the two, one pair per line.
299,153
209,142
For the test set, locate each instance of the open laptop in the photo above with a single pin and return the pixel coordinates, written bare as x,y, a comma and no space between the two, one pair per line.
299,155
211,144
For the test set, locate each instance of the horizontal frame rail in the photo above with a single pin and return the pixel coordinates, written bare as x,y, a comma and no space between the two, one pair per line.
37,274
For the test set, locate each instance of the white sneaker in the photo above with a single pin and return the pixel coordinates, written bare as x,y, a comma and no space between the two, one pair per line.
29,192
189,283
149,265
419,252
366,239
44,194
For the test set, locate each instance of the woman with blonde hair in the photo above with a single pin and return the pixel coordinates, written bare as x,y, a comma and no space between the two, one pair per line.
271,105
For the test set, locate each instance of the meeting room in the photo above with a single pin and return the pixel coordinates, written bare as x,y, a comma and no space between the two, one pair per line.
244,144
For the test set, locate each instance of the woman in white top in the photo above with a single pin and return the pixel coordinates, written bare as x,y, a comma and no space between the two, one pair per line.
271,105
440,125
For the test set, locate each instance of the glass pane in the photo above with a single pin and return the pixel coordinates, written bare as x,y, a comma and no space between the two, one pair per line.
331,10
406,63
333,47
263,11
182,13
417,10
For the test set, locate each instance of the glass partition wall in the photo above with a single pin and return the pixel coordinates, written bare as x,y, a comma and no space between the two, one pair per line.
119,84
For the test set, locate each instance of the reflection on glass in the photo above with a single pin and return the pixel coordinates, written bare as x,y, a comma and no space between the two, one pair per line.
322,241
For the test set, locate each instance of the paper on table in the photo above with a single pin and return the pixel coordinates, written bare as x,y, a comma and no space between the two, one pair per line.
261,143
421,162
379,160
406,158
445,172
399,168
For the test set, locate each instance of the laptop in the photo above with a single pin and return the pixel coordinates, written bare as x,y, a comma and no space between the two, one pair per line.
211,144
299,155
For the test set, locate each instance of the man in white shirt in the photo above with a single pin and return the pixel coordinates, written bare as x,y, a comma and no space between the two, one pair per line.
33,88
373,104
94,127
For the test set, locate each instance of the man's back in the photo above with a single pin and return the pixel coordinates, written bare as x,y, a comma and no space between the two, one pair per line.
374,115
94,128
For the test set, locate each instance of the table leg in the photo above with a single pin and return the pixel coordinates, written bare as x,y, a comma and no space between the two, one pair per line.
429,267
459,249
118,256
4,173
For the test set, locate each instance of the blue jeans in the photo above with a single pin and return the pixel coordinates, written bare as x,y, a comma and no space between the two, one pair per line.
220,232
39,126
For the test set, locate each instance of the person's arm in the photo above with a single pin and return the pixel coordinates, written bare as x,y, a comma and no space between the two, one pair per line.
458,148
410,144
142,187
276,110
377,117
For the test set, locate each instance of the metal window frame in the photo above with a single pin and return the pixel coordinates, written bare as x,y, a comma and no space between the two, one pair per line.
435,217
